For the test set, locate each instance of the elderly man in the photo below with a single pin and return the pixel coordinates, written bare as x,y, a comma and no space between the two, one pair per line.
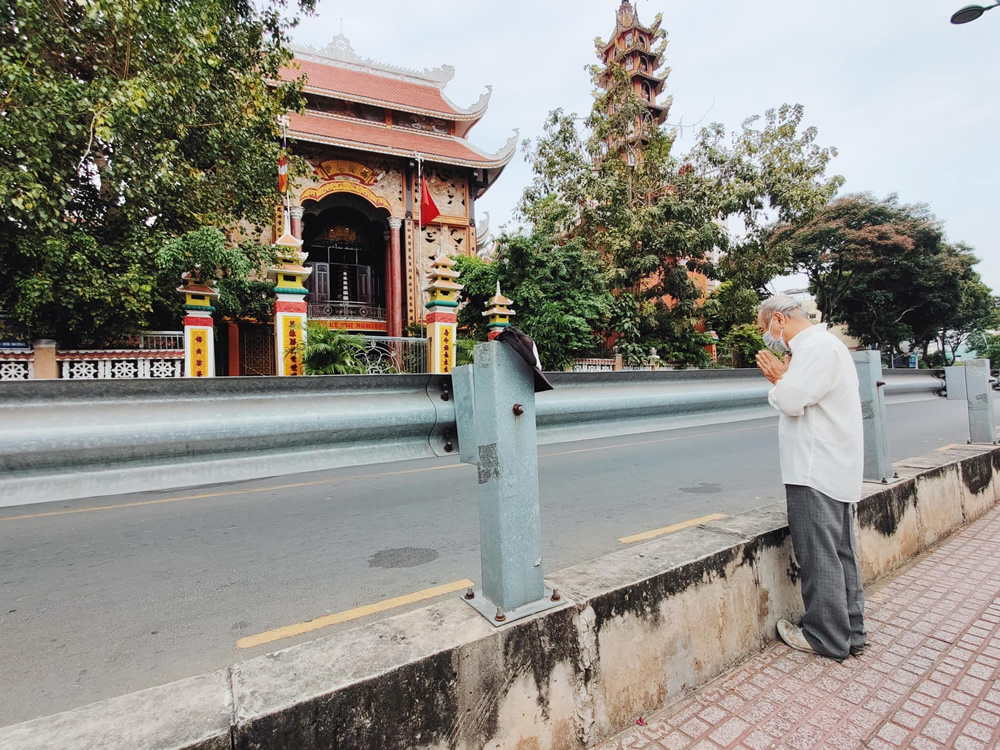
821,445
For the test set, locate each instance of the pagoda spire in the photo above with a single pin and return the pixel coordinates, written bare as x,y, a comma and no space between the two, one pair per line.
498,312
639,50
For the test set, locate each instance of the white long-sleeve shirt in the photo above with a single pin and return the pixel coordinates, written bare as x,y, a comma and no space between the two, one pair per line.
820,435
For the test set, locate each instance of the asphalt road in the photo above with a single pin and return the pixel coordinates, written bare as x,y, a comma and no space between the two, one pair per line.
103,596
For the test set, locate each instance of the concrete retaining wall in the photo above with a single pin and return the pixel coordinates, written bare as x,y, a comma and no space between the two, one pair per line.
640,627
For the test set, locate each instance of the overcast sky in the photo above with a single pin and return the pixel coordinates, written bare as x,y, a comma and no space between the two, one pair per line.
911,102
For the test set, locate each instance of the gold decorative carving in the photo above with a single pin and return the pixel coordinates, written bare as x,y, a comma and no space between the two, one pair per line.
341,234
334,168
343,186
378,181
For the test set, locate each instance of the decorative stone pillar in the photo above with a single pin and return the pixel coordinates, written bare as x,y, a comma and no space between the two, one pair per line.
296,221
441,319
199,331
290,308
394,280
499,313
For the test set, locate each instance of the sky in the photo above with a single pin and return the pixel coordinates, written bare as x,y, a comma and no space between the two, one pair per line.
910,101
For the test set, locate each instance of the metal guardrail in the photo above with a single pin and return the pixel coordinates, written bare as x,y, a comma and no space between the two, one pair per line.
605,404
70,439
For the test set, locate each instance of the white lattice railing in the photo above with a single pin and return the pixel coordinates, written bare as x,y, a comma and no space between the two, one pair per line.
17,365
384,355
115,364
159,340
593,364
597,364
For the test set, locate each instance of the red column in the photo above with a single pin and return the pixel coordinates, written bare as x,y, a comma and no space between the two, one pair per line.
234,349
394,298
295,221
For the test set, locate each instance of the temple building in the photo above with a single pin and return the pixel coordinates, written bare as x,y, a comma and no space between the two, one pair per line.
370,131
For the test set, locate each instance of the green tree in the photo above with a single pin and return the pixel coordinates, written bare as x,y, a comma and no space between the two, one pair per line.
233,266
652,216
675,340
986,345
124,126
771,170
884,269
974,311
331,351
852,236
559,292
743,342
731,305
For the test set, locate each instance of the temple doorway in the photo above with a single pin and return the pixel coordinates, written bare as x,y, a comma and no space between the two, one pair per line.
345,238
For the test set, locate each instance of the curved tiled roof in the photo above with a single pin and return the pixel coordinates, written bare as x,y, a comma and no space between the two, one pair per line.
378,137
349,82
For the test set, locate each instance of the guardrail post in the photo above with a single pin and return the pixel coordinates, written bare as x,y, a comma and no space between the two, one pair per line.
979,393
878,461
954,383
501,422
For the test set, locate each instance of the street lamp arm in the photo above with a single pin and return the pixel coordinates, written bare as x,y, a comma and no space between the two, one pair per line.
971,13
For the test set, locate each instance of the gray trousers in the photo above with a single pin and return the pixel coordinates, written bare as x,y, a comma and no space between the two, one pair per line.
823,539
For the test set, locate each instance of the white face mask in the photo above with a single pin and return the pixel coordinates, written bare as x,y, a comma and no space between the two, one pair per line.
776,345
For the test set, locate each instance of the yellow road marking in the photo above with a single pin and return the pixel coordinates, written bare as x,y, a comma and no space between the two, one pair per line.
669,529
948,447
334,480
289,631
227,493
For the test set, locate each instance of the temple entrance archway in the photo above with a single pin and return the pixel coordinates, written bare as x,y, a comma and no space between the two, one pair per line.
348,243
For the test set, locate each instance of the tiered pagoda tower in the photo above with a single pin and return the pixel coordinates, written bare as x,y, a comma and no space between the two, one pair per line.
639,50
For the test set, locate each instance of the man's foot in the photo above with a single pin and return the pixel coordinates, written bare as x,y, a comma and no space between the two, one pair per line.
858,650
792,635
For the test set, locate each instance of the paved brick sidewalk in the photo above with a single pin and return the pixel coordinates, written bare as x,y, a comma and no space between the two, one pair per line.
927,680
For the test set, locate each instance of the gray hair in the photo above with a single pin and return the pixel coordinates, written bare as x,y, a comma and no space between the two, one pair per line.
787,306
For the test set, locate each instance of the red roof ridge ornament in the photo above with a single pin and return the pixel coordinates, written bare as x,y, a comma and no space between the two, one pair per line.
340,55
340,51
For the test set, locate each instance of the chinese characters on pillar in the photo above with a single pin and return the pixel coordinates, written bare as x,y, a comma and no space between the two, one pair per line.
447,344
292,337
201,340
